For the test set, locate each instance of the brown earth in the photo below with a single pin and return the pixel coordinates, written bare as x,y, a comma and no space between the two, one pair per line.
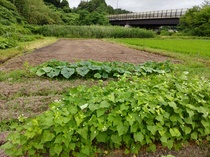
33,95
76,50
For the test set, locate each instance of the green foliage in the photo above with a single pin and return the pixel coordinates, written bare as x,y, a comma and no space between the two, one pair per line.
196,21
132,112
194,47
94,18
98,70
99,6
9,14
93,32
7,43
58,3
36,12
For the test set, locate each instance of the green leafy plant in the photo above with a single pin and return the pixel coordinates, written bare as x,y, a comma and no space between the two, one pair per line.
7,43
99,70
130,113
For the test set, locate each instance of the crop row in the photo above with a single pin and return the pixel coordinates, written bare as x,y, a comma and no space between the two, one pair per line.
98,70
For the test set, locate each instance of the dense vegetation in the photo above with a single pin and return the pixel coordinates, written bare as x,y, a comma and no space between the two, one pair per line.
194,47
133,110
93,32
129,113
20,20
99,70
196,20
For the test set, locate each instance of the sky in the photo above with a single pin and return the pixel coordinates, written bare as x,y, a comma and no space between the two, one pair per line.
146,5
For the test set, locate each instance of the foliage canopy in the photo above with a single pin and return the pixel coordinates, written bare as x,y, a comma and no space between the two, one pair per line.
197,21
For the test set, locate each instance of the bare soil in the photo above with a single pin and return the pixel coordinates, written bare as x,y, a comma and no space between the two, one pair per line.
33,95
76,50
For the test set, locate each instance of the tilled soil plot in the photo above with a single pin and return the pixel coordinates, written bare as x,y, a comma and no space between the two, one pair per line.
76,50
30,95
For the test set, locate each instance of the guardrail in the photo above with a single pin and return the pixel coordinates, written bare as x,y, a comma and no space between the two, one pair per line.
173,13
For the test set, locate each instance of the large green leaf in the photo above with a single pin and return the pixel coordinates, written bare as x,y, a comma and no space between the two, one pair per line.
116,139
94,67
85,150
40,72
122,129
47,69
82,71
139,137
47,136
108,69
54,72
58,148
67,72
174,132
97,75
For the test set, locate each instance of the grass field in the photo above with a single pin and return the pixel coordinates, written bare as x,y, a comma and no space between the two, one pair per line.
193,47
194,54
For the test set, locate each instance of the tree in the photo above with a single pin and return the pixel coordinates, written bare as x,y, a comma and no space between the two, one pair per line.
36,12
197,20
94,18
187,21
58,3
205,3
202,22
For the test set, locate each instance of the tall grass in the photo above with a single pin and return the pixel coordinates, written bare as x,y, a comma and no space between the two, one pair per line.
93,31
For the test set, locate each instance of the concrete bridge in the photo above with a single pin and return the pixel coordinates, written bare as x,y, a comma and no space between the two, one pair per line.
148,19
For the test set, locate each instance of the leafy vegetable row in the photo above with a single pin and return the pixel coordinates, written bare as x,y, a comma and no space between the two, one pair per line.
93,69
132,113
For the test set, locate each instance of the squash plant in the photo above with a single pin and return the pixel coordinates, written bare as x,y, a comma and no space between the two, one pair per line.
98,70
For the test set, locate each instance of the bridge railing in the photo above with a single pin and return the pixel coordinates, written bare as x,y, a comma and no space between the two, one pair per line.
173,13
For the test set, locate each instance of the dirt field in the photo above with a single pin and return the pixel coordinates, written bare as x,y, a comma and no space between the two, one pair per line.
75,50
34,94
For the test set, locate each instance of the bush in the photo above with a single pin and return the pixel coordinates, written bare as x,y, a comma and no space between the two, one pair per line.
131,113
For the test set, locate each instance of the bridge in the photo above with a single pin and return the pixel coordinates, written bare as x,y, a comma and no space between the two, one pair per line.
148,19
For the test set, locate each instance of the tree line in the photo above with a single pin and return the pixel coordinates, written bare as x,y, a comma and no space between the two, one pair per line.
41,12
93,12
197,20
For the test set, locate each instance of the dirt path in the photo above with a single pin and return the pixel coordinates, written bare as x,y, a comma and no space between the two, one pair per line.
90,49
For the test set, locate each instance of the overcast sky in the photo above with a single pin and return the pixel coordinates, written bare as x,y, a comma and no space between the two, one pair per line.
146,5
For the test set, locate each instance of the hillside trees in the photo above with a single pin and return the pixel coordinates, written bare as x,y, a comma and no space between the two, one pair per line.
95,11
36,12
197,20
8,13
